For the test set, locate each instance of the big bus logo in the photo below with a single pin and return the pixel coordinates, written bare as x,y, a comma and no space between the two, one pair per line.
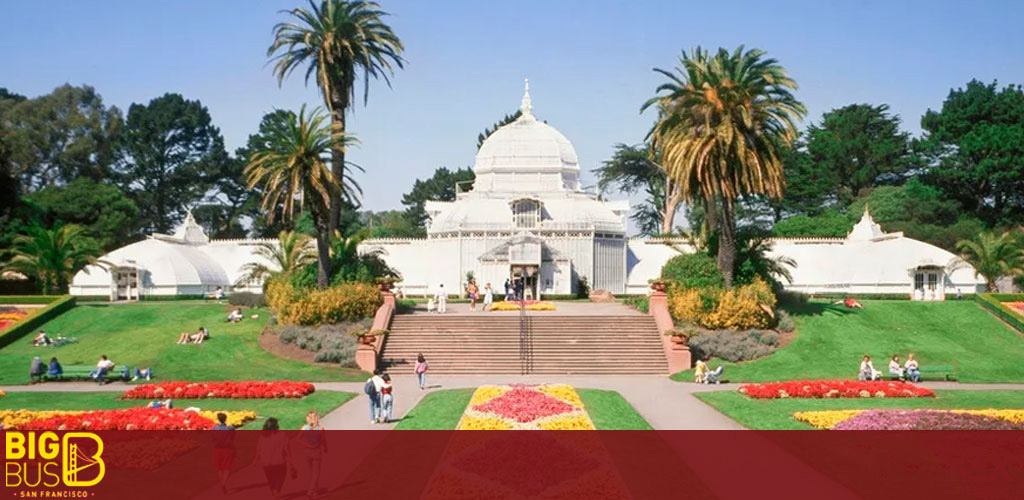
48,460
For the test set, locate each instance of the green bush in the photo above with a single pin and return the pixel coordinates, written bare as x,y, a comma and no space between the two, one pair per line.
783,321
331,343
247,299
641,303
693,270
29,299
405,306
56,308
346,302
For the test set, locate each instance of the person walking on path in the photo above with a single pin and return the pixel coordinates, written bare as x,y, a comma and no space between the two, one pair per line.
223,451
508,290
472,290
421,370
387,400
441,297
315,446
488,297
372,389
272,453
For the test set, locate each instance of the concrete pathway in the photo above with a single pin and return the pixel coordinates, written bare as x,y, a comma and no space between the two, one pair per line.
562,308
663,403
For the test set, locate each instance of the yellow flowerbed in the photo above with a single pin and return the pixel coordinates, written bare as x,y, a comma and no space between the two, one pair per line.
514,306
525,407
12,419
830,418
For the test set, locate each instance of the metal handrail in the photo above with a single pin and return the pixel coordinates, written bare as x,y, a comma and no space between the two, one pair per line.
523,365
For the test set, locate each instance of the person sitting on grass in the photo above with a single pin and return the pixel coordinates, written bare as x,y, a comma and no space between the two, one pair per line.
167,403
235,315
146,373
103,367
55,369
867,370
912,370
195,338
894,367
42,339
849,302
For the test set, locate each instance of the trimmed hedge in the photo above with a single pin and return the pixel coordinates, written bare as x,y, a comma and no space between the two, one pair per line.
28,299
49,312
993,302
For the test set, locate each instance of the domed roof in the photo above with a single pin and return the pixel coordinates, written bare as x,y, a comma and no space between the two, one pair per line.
526,154
164,263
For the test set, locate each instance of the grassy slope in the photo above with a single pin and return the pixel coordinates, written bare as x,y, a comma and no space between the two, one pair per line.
778,413
442,410
290,412
145,334
831,340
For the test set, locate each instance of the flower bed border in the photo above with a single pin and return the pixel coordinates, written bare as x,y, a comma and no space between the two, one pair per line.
826,389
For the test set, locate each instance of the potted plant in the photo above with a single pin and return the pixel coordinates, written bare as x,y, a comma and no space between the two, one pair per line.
680,336
658,285
363,336
385,283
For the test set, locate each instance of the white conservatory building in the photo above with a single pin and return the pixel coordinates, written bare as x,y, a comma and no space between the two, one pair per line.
526,217
185,263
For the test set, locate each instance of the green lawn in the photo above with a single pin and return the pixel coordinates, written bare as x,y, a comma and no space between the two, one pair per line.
442,410
830,341
776,414
290,412
145,334
439,410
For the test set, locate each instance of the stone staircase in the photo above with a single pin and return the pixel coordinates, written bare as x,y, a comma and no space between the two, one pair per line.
490,344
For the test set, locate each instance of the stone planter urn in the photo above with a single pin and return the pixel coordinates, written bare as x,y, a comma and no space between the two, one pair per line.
678,339
367,339
659,286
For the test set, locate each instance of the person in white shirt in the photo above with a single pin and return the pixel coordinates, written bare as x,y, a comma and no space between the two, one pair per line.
894,367
235,315
441,297
867,370
488,297
912,369
377,384
103,367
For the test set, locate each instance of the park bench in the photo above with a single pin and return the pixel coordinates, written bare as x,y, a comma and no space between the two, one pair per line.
938,372
71,372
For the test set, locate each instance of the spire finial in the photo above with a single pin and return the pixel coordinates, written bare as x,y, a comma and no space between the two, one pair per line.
527,107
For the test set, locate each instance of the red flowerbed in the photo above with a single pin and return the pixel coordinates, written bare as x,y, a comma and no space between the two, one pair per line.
524,405
141,419
834,389
231,390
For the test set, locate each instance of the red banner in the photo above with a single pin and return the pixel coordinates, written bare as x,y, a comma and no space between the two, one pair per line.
512,465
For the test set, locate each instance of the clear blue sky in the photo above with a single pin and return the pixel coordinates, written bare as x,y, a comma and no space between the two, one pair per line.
589,63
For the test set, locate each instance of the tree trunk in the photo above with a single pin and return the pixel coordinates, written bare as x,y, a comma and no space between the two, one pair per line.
323,248
671,203
339,103
727,241
710,213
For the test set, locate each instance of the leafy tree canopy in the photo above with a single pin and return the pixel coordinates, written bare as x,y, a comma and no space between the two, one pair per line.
631,170
170,152
101,209
61,136
976,145
439,187
853,148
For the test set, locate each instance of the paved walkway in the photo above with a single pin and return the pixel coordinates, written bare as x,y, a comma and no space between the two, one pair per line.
665,404
562,308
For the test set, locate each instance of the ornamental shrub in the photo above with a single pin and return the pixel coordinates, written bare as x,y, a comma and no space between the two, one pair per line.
247,299
734,346
331,343
346,302
693,270
740,308
783,321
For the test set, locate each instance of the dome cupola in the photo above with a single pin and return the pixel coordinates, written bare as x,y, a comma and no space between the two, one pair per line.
526,155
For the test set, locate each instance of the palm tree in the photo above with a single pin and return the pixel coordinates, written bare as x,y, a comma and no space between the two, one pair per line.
992,256
723,121
293,251
337,40
52,256
291,165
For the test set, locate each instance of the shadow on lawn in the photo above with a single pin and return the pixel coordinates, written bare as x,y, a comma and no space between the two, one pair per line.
818,309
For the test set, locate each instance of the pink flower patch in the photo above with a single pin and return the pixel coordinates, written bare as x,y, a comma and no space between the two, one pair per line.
524,405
